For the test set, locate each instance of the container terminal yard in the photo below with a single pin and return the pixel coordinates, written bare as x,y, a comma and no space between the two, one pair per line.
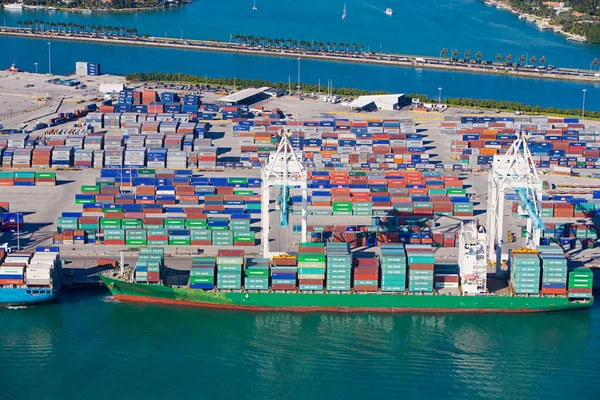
388,194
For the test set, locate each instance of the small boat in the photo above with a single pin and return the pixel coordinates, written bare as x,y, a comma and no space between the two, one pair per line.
344,16
14,6
87,12
13,68
254,8
389,11
51,9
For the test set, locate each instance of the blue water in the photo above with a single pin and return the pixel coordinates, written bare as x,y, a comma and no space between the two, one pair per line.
86,348
418,27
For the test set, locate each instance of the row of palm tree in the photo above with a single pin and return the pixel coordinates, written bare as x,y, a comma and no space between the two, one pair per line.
308,45
70,27
499,57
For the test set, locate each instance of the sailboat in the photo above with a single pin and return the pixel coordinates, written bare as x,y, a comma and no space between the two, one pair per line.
344,14
254,7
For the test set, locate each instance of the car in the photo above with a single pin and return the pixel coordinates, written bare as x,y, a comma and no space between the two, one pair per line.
29,85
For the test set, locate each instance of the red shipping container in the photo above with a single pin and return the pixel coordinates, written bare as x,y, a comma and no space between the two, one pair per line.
114,242
283,287
554,291
230,253
365,288
421,267
580,290
310,281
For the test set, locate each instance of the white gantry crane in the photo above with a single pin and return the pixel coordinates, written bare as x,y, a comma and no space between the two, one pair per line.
284,170
514,170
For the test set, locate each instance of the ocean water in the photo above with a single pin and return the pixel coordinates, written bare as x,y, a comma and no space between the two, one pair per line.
417,27
85,347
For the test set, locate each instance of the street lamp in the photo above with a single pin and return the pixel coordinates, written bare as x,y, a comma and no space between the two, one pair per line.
298,76
440,95
49,60
583,105
37,86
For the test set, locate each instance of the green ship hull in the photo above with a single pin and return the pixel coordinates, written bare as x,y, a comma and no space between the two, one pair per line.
345,302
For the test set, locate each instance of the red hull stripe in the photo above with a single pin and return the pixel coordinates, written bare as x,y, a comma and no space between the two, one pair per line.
141,299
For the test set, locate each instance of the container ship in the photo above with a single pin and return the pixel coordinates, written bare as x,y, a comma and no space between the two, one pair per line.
403,278
29,278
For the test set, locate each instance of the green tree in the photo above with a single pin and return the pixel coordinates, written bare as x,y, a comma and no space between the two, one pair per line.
499,57
522,58
444,52
468,55
509,59
533,59
543,60
478,56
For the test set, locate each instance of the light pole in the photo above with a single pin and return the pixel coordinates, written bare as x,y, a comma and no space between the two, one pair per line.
37,86
583,104
298,77
440,95
49,60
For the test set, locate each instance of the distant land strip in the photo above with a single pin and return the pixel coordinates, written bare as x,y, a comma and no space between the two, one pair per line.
390,59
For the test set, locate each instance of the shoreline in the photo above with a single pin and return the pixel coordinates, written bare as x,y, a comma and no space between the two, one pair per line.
539,22
400,60
96,10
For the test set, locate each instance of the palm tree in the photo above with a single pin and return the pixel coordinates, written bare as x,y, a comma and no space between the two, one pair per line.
533,60
362,47
328,44
295,42
355,47
322,45
468,55
595,62
19,22
522,58
543,60
455,54
499,57
478,56
509,59
334,47
444,52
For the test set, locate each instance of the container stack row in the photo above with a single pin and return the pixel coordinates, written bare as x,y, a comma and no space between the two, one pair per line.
229,269
393,267
420,261
525,272
202,274
311,266
554,270
366,272
339,267
554,142
256,274
23,178
149,265
580,284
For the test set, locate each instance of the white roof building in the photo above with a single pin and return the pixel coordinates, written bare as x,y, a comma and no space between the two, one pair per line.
380,102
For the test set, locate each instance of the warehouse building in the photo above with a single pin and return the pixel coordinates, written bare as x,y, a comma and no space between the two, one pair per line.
388,102
245,96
